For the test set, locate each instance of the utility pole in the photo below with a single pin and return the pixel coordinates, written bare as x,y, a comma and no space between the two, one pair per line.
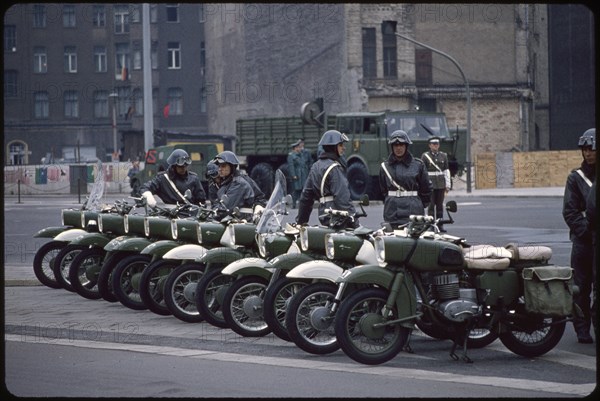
147,65
468,149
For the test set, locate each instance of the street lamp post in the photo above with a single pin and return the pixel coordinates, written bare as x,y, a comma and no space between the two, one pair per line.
468,149
115,154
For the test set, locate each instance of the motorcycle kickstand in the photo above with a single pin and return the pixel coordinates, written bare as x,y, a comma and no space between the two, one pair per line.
464,356
407,348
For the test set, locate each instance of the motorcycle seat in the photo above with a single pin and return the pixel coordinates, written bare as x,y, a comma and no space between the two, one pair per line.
529,255
487,257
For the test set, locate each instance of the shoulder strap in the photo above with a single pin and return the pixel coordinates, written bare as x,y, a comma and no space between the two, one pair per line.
587,180
331,166
431,161
385,170
175,188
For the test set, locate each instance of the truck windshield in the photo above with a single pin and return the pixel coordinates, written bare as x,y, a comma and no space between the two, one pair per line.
418,127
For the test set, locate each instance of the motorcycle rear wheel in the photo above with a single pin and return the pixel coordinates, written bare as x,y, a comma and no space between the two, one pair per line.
277,299
531,341
355,331
83,273
44,260
124,277
243,307
152,284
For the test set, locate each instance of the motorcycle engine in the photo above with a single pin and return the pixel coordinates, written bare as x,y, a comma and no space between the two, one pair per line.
454,303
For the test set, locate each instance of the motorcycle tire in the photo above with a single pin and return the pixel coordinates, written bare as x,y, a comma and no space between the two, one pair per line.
210,293
536,337
104,283
356,335
243,307
43,262
180,289
84,270
277,299
309,321
152,283
62,263
126,278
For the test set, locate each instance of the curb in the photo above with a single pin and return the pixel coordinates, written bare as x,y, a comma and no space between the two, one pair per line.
21,283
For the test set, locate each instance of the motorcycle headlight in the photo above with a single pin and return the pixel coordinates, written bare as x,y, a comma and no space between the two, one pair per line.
126,223
174,229
262,248
304,238
329,247
380,250
100,223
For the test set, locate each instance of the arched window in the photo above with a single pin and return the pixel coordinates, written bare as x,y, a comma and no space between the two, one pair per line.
17,153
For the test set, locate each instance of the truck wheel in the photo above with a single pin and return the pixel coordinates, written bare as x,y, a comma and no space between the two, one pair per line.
264,176
358,180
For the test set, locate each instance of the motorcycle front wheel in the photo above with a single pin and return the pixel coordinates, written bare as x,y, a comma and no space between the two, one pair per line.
180,289
243,307
533,336
152,283
357,334
62,264
126,280
43,262
277,299
84,270
104,283
210,294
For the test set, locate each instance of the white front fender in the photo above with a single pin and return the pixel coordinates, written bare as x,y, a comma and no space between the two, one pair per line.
70,234
186,252
316,269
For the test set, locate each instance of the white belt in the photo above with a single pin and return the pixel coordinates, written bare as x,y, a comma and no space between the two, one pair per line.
436,173
246,210
401,194
326,199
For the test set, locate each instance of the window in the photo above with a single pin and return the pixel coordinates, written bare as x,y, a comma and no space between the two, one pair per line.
10,38
41,105
70,59
39,16
40,60
69,18
121,19
137,56
153,13
100,104
99,16
172,12
100,59
71,100
17,152
121,61
134,11
11,83
369,53
174,55
137,107
175,97
423,71
123,100
390,63
202,58
154,55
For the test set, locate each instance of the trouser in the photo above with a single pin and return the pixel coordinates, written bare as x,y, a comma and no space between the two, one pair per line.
582,262
437,203
295,196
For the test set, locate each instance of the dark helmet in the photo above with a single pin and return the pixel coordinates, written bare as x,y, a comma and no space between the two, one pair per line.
588,139
227,156
399,136
333,137
179,157
212,170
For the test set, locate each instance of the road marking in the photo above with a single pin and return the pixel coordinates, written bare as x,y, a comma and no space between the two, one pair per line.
417,374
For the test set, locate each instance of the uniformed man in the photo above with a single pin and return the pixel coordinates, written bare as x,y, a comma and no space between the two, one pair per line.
577,189
297,170
238,190
170,185
327,182
214,181
439,174
403,182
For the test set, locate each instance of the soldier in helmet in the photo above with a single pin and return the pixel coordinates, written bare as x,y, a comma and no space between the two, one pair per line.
327,181
212,176
238,190
577,189
437,166
403,181
170,185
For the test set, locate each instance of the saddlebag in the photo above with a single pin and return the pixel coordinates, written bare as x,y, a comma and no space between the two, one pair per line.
548,290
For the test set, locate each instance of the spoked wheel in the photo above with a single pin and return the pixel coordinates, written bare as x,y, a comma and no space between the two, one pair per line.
43,262
62,263
532,336
104,283
180,290
84,270
277,299
210,295
126,280
243,307
309,320
358,332
152,284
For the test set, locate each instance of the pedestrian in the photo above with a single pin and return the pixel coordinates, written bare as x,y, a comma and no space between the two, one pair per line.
403,181
133,183
171,185
438,170
297,171
327,182
306,155
234,191
577,189
591,215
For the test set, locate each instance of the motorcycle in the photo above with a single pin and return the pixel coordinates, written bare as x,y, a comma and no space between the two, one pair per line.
459,289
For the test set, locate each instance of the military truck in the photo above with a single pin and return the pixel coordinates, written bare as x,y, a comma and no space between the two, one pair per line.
156,161
264,143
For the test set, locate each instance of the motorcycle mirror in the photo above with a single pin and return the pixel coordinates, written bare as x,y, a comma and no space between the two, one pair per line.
364,200
188,194
451,206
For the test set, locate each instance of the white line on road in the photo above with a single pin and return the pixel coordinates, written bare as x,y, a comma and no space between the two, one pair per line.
417,374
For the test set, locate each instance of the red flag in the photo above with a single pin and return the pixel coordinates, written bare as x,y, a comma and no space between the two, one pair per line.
166,111
124,74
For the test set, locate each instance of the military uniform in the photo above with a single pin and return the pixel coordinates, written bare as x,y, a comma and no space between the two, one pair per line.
406,188
297,172
161,186
439,174
239,194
